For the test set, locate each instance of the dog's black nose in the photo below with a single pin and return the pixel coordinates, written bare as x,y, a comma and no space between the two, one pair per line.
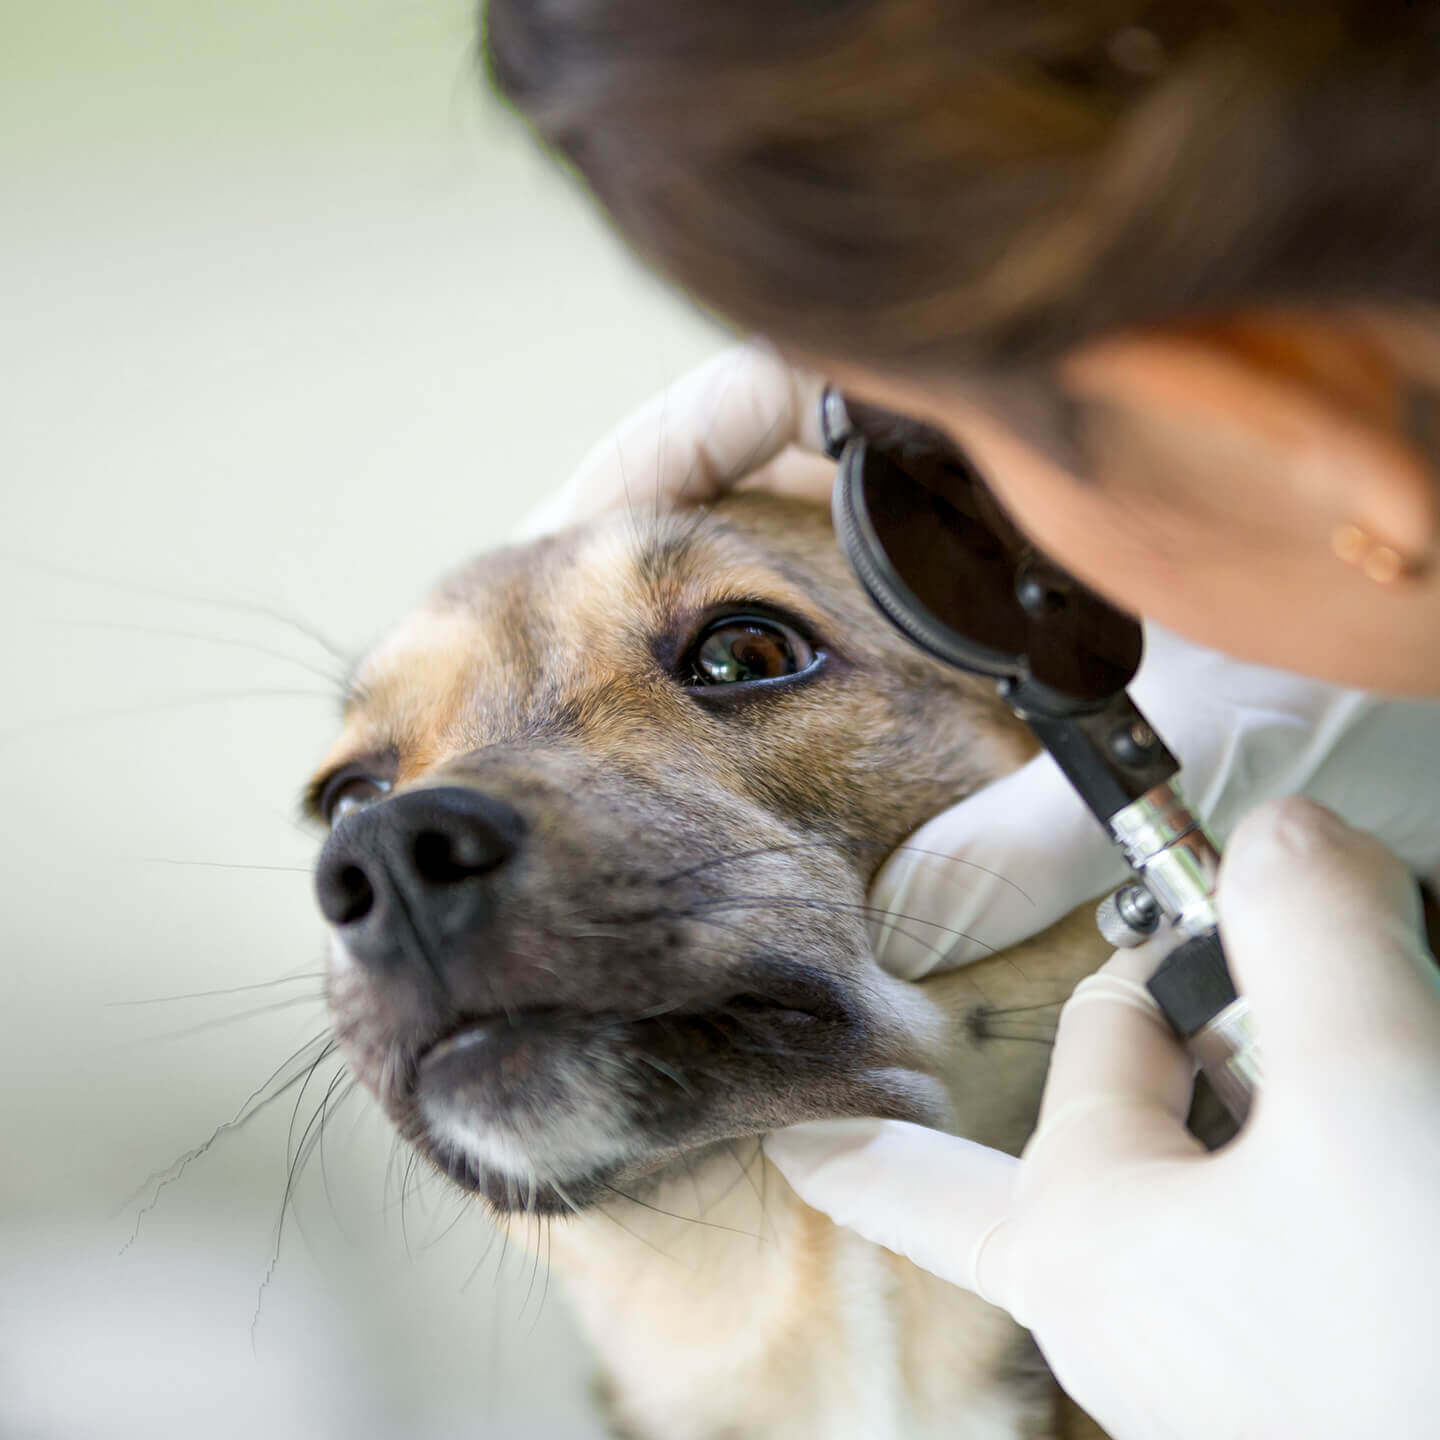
419,860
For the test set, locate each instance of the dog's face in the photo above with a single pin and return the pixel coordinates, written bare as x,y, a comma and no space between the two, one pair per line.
604,814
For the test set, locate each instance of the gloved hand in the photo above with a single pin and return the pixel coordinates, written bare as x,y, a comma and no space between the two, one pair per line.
1285,1285
731,420
1020,854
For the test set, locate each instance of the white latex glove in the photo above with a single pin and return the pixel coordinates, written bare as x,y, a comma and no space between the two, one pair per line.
1284,1286
713,428
1023,852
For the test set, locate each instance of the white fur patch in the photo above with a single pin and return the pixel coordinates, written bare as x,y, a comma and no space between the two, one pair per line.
575,1142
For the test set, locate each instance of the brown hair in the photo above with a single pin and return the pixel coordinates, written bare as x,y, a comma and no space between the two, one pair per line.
971,185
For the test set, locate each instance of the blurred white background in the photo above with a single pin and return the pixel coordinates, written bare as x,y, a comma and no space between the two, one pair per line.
292,317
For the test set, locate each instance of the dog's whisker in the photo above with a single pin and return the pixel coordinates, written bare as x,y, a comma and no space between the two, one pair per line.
886,922
661,1068
741,902
764,1188
326,1051
634,1235
461,1210
404,1193
739,1175
1046,1040
310,1141
339,1078
545,1288
535,1254
254,1104
386,1207
1021,1022
745,1170
206,1025
658,1010
995,1010
505,1233
181,702
694,1183
734,929
858,985
565,1199
475,1269
212,994
761,851
286,1197
163,632
265,611
683,1219
223,865
347,1090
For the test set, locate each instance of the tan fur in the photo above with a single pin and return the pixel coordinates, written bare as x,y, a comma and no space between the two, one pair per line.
718,1305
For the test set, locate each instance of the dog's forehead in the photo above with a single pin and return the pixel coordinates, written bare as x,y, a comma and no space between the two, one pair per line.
513,638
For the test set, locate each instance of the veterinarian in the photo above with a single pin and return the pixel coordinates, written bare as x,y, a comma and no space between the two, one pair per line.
1169,273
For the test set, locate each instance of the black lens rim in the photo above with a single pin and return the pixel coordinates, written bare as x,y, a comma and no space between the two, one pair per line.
885,586
1069,660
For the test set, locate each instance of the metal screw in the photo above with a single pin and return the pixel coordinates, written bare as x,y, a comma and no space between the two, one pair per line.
1128,917
1133,744
1040,591
835,426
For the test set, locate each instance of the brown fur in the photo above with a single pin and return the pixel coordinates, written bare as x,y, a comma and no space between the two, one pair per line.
694,858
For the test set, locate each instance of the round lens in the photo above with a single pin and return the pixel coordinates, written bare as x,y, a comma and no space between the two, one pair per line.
944,562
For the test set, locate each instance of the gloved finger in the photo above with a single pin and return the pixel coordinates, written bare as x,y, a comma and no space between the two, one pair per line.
694,440
931,1197
1120,1084
1322,927
799,474
999,867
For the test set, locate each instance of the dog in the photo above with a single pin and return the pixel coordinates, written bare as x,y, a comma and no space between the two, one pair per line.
603,815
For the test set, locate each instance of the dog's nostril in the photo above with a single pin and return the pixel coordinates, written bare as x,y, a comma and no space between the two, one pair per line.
343,889
445,858
352,897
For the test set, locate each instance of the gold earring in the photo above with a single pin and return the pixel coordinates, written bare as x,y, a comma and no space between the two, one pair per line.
1381,563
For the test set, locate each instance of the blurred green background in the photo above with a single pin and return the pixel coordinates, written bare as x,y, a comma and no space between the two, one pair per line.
292,317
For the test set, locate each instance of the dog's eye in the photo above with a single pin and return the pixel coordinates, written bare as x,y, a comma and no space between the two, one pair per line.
348,791
743,648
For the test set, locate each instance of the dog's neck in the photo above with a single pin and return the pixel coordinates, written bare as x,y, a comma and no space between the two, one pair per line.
762,1318
721,1306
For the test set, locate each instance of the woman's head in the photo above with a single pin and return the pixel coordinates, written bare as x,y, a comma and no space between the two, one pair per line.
1102,242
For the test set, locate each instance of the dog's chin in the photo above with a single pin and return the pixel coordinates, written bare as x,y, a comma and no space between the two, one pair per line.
549,1115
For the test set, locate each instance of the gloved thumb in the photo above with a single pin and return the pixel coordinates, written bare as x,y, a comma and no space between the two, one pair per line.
694,441
933,1198
1322,926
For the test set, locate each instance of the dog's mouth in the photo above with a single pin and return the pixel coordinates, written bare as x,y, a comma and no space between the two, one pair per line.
514,1039
549,1109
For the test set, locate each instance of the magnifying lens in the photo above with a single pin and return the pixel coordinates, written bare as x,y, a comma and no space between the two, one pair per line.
943,562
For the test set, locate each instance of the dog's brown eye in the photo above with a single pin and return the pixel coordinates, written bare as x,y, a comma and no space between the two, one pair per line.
349,791
744,648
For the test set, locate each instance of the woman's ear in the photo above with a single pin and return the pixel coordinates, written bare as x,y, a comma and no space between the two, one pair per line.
1326,399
